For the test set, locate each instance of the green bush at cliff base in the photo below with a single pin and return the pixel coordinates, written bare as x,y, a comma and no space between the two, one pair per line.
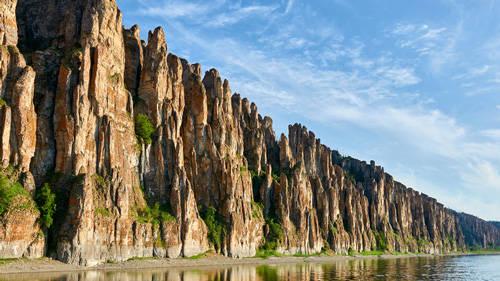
215,225
143,128
380,239
45,200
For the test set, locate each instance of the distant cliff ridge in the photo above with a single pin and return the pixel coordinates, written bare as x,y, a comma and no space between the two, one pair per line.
112,148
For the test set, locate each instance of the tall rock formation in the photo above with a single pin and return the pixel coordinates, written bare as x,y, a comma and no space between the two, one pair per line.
148,157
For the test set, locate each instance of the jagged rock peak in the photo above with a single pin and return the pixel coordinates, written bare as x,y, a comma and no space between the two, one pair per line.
68,24
8,24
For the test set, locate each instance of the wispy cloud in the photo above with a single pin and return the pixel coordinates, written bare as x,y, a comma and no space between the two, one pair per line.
435,43
473,72
289,6
214,14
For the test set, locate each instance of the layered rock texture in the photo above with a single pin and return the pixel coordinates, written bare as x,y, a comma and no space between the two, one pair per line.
212,174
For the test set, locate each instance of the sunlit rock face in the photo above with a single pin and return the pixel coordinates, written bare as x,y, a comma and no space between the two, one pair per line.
73,83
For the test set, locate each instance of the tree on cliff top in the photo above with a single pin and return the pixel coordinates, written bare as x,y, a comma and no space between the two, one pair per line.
143,128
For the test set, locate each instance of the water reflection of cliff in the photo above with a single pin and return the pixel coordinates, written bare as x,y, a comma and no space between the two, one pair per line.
387,269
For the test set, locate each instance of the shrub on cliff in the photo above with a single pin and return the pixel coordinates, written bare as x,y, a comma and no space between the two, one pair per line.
45,200
143,128
8,191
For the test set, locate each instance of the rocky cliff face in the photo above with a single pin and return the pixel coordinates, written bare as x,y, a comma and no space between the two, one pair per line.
479,234
212,173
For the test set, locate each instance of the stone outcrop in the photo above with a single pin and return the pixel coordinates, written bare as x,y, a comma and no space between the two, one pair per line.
212,174
8,25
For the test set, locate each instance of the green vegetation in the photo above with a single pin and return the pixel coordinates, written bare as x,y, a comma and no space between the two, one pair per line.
351,251
353,175
272,238
136,100
257,179
306,255
289,171
332,228
264,254
495,223
143,128
268,272
216,226
349,176
275,177
474,249
257,209
8,191
2,102
275,234
154,215
372,253
103,212
422,242
8,260
45,200
142,258
380,239
199,256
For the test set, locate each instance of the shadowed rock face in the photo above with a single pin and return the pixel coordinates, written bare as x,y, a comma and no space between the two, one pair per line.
67,118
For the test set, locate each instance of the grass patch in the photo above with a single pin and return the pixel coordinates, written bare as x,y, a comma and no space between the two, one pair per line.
199,256
8,191
9,260
351,251
399,253
154,215
372,253
264,254
103,212
306,255
142,258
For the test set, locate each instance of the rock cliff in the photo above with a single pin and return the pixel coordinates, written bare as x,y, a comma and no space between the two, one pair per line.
148,157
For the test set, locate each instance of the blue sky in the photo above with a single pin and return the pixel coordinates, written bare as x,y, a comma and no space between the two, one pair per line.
413,85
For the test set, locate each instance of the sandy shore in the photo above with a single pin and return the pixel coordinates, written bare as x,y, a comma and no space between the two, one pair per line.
210,260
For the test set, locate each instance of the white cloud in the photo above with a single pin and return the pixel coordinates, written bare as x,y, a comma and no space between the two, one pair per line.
175,9
481,90
437,44
493,134
289,6
214,14
403,29
474,72
240,14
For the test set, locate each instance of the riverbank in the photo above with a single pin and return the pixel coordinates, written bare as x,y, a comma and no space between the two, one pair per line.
206,261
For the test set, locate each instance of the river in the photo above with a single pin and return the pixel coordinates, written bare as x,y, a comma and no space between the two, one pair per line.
473,267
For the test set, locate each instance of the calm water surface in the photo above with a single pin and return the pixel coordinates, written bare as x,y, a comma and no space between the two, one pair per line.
482,267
